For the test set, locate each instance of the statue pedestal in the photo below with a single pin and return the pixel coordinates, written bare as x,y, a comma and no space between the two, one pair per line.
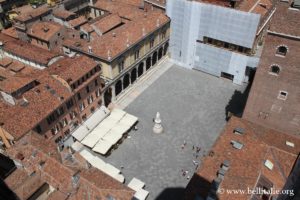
157,128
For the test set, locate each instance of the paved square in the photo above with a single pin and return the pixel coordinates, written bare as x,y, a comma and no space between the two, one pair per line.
192,106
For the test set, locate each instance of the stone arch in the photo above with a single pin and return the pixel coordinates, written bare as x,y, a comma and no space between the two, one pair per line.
160,53
107,96
154,58
118,87
148,63
141,69
133,75
126,81
166,48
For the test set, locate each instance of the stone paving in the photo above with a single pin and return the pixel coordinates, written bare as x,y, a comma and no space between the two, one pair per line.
192,106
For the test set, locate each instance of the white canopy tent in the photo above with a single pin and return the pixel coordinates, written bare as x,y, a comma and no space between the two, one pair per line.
102,146
136,184
141,194
107,133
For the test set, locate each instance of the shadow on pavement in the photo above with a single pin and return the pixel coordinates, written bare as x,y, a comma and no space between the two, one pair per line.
237,103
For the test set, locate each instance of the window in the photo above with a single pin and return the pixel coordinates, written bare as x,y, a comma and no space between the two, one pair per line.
163,35
72,115
78,96
275,69
282,95
152,43
282,50
38,129
60,111
70,104
97,93
90,99
96,82
121,66
81,106
87,89
136,54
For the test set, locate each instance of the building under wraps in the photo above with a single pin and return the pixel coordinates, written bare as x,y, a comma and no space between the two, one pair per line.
216,37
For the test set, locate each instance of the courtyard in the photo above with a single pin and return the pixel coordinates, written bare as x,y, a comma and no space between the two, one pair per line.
192,107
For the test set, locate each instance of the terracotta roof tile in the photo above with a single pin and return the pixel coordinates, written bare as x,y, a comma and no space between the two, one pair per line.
44,30
28,51
78,21
71,69
27,12
246,164
119,39
285,20
107,23
62,13
10,32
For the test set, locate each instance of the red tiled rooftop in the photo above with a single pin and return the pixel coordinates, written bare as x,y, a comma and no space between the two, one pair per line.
40,104
286,20
28,51
78,21
59,176
72,69
117,41
107,23
10,32
44,30
62,13
123,9
246,164
27,12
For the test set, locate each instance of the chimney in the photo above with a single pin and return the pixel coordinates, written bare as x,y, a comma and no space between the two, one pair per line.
114,34
90,50
144,31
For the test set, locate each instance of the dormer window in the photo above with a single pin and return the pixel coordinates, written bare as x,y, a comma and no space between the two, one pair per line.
282,95
282,50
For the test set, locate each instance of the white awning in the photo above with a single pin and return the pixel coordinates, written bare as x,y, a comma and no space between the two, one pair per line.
141,194
120,178
111,170
112,137
136,184
77,146
117,113
92,139
80,133
87,155
128,120
96,118
102,146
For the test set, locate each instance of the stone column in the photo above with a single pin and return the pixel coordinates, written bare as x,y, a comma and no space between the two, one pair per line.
113,93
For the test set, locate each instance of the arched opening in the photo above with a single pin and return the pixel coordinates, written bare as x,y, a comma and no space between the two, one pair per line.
126,81
160,53
148,63
166,48
154,58
282,50
275,69
118,87
141,69
133,75
107,97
